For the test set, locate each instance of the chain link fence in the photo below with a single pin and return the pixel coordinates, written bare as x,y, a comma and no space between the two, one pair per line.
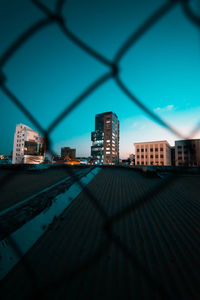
56,17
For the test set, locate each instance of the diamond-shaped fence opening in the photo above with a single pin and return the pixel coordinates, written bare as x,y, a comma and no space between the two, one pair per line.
113,72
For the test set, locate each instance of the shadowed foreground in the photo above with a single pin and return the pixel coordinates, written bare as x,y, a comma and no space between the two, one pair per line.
150,253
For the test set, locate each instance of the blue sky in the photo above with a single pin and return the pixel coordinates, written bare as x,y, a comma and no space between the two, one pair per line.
162,70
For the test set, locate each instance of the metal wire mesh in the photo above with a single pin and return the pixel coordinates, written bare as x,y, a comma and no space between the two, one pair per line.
113,73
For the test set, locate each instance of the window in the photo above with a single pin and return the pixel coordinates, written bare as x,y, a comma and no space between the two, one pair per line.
108,148
138,156
142,162
161,155
138,150
151,149
179,158
161,149
179,147
146,149
156,156
108,121
142,156
107,152
179,152
156,149
151,156
142,150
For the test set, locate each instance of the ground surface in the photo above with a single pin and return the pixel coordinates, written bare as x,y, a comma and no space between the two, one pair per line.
152,251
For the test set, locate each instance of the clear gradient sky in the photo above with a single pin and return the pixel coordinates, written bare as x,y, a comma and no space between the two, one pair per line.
49,71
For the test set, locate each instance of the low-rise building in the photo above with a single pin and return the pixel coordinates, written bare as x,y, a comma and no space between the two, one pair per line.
28,147
68,152
153,153
187,153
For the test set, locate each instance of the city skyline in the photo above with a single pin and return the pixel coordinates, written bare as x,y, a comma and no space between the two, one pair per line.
162,69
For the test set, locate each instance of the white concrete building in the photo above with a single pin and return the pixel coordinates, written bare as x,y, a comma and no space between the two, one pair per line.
153,153
28,147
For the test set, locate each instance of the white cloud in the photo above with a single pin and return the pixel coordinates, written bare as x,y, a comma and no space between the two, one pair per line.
165,108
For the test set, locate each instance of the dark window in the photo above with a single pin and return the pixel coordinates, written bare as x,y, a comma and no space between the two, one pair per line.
161,155
138,156
179,152
142,150
142,163
161,149
156,149
146,149
179,147
138,150
142,156
151,149
179,158
156,156
151,156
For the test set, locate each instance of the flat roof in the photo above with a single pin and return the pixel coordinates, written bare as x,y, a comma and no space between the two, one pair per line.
152,142
187,140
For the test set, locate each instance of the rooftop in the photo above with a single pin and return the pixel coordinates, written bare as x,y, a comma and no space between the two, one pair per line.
148,250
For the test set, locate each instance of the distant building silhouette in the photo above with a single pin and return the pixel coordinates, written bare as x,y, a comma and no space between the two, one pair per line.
187,153
29,146
153,153
67,151
105,139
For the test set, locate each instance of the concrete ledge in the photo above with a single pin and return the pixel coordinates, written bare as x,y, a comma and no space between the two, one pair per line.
27,235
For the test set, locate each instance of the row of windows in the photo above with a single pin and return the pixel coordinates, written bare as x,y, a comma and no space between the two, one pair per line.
151,149
19,136
151,156
180,152
180,158
186,146
151,163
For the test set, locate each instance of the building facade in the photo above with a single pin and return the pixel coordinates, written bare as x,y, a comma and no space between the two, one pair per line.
153,153
28,147
105,139
67,151
187,153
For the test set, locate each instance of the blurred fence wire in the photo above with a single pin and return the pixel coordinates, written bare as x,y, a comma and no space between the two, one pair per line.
113,72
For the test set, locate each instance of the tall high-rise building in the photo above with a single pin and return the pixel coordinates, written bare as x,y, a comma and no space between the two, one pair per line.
28,147
105,139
